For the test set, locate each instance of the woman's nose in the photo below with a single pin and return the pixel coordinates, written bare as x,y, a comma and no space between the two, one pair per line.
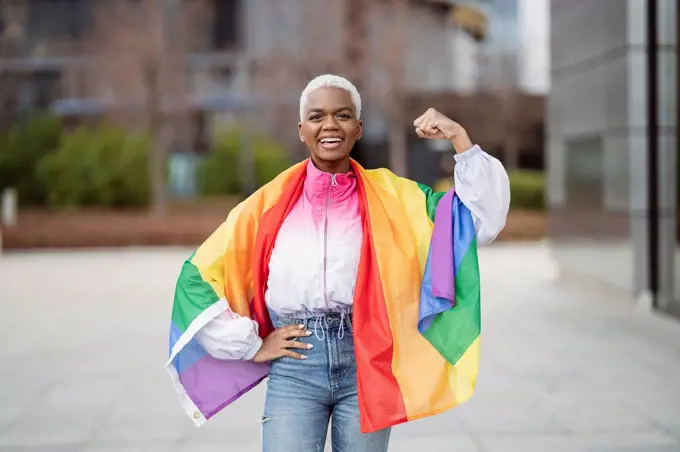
330,124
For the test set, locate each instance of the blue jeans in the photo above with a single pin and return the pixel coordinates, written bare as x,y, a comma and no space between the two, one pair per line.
304,395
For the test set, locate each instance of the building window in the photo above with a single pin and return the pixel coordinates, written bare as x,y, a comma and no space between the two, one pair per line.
49,19
227,24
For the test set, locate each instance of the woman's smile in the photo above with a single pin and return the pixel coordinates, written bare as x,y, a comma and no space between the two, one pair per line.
331,143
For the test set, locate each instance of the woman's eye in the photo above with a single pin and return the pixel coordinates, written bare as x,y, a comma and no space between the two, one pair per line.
315,117
344,116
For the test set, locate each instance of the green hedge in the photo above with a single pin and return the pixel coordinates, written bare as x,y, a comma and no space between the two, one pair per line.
105,166
100,166
21,149
527,190
219,173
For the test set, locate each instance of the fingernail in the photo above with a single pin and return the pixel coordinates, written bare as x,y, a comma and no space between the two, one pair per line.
308,333
303,357
310,345
301,326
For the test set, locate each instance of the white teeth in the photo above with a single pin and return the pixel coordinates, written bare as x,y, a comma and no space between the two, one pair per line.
331,140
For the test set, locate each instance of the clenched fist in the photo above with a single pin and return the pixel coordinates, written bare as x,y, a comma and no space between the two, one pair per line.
434,125
279,341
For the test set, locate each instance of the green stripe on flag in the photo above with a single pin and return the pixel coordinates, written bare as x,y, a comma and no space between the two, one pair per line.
431,199
454,330
192,296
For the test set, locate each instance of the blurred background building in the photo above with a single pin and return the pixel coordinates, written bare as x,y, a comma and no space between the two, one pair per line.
612,145
252,58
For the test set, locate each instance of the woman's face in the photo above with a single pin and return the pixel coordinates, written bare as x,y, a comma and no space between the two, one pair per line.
330,126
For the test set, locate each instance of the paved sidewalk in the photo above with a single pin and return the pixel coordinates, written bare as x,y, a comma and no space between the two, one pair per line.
83,341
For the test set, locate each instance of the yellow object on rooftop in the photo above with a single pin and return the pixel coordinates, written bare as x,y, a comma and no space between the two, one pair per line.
470,19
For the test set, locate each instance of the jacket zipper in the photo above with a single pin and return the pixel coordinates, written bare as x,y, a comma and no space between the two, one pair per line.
334,183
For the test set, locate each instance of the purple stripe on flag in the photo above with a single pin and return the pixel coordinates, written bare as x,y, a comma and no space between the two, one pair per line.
213,384
437,290
441,247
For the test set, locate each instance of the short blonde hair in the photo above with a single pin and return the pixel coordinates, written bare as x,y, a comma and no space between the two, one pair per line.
330,81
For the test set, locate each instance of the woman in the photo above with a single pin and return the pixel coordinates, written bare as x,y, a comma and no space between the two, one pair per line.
356,292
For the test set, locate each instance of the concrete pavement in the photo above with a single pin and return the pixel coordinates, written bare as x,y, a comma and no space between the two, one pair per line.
83,341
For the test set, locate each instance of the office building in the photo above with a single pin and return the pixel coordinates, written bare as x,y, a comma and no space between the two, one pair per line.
612,146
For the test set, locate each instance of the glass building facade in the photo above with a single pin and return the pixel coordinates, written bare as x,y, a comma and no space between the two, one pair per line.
612,146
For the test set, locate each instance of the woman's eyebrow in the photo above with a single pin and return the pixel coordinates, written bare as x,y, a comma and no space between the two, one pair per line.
321,110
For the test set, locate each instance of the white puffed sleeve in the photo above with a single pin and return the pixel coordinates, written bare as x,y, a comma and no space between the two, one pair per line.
482,184
230,337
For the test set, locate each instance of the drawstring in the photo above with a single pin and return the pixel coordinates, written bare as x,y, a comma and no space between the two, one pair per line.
320,318
321,326
341,333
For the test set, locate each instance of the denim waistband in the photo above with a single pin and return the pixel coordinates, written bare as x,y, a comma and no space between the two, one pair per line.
307,314
321,323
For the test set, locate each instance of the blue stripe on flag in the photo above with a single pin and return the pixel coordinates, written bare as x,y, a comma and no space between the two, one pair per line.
463,232
190,354
429,305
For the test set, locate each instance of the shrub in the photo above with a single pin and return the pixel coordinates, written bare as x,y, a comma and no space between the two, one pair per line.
527,190
219,173
21,149
97,167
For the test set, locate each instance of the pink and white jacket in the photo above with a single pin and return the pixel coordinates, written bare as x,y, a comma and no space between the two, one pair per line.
315,260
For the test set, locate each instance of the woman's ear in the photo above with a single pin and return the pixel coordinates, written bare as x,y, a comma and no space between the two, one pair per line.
361,129
302,137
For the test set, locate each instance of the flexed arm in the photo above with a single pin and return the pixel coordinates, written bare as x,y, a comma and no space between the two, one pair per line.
481,181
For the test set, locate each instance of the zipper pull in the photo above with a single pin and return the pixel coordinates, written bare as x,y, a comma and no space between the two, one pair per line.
334,183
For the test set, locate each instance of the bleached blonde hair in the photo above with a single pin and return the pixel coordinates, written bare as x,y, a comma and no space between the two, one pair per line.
330,81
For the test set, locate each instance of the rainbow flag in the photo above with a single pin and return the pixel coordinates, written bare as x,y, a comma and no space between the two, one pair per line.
416,308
